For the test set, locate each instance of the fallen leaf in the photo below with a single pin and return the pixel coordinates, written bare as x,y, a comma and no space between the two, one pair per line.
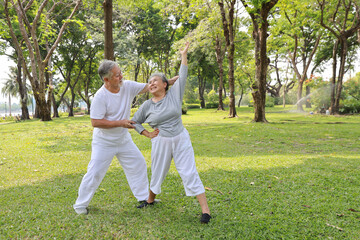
306,206
353,210
219,192
207,188
340,215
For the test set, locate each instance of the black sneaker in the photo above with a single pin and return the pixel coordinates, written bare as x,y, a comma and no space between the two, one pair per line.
145,204
205,218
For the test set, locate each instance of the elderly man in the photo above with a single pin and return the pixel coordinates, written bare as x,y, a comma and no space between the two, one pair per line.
109,113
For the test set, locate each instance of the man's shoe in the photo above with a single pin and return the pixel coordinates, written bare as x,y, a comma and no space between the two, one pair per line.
205,218
145,204
81,211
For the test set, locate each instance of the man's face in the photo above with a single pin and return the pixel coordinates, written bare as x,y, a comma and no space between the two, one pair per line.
116,77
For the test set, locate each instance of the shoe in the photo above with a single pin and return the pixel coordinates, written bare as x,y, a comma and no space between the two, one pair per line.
81,211
145,204
205,218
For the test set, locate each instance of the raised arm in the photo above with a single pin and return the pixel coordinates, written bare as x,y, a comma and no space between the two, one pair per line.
183,53
179,87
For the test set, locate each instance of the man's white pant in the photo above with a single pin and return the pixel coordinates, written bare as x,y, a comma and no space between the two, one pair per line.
131,160
179,148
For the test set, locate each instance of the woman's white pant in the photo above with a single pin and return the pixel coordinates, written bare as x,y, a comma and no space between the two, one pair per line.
131,160
179,148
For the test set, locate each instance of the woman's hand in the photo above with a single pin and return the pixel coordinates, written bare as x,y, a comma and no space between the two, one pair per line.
150,135
183,53
185,49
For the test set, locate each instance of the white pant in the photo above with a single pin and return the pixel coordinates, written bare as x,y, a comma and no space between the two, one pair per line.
179,148
131,160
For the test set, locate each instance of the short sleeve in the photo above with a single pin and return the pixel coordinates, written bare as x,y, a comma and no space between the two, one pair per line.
135,87
97,108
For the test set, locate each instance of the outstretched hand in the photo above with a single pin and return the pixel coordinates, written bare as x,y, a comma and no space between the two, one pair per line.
185,49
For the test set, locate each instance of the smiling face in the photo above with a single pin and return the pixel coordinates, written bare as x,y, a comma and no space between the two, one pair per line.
157,86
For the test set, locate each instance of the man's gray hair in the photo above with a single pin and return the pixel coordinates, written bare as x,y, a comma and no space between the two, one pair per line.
105,68
163,78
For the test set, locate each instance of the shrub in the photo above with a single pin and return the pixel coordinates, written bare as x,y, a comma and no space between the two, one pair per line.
192,105
349,106
270,101
211,105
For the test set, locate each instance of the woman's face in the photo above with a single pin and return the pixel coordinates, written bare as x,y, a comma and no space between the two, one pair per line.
156,85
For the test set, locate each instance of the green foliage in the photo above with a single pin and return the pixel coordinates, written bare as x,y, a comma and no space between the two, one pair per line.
349,106
352,87
270,101
320,92
192,105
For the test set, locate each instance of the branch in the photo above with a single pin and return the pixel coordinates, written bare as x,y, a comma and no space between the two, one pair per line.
225,23
313,53
28,6
61,32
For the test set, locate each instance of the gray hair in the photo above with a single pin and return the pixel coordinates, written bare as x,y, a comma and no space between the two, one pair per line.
163,78
105,68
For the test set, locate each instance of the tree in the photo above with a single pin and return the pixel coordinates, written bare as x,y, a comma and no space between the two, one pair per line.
31,29
259,12
228,21
11,87
20,77
303,34
342,19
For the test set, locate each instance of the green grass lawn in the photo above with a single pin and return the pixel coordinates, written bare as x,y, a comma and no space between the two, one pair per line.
294,178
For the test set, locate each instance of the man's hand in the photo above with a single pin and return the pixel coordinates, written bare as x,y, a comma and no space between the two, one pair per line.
152,134
126,123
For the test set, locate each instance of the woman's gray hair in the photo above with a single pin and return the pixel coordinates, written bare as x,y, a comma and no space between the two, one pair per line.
163,78
105,68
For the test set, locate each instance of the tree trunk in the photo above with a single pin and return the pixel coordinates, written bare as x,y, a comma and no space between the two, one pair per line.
260,25
23,93
201,84
333,80
55,106
344,50
9,105
308,98
229,34
262,62
241,96
109,44
219,60
71,105
299,96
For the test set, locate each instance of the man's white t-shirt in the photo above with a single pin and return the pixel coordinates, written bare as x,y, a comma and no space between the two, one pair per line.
113,106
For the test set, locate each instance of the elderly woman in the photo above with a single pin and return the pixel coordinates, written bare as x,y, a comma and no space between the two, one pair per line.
170,139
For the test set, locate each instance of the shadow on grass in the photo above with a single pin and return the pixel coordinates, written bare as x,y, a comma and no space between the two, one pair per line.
302,201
